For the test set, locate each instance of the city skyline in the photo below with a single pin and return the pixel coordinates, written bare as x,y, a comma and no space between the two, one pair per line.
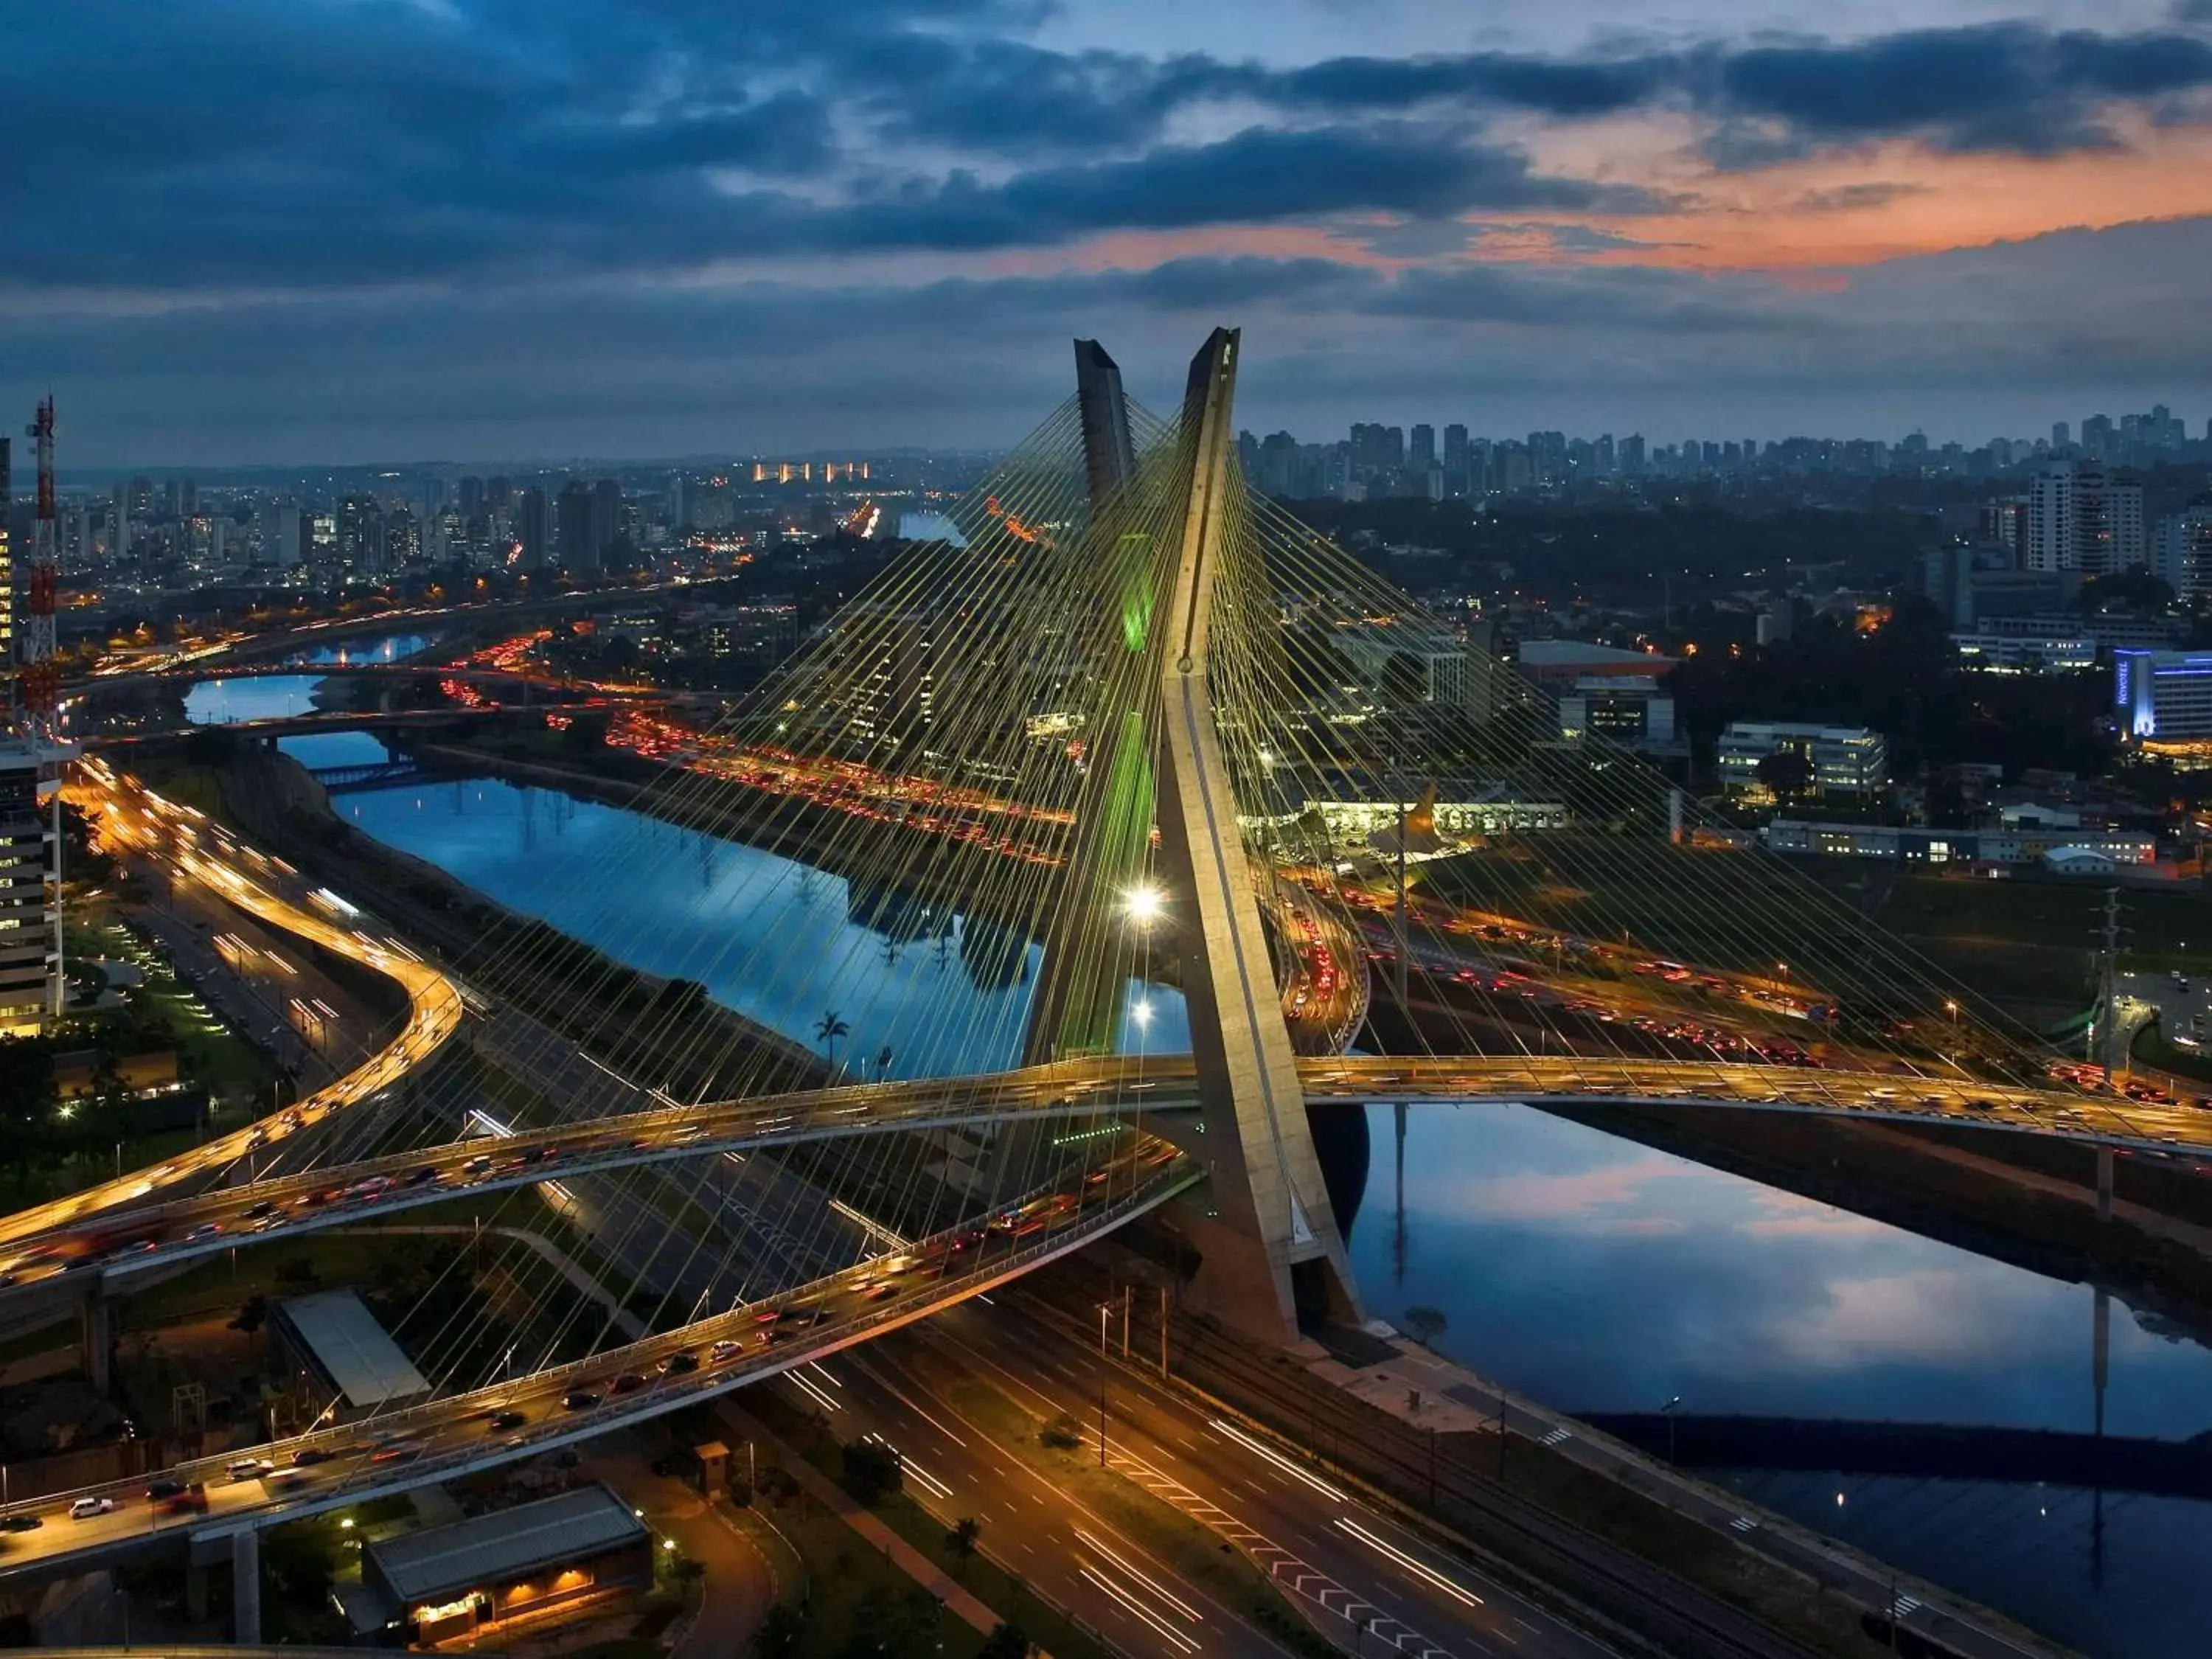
256,233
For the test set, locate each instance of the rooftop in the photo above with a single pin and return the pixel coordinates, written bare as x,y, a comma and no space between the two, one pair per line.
355,1352
505,1544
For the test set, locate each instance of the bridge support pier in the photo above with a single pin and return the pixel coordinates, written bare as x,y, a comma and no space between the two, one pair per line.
245,1587
96,1335
2104,1183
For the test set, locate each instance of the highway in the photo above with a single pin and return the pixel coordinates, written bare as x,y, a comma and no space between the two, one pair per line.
136,820
311,1473
1339,1561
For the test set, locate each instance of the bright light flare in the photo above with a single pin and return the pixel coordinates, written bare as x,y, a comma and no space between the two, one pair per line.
1144,905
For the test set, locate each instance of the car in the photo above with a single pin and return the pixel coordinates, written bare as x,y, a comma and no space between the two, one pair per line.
877,1292
503,1421
677,1364
628,1382
165,1489
396,1452
266,1207
291,1480
247,1469
205,1229
194,1500
579,1400
308,1457
422,1177
21,1523
726,1350
85,1508
480,1164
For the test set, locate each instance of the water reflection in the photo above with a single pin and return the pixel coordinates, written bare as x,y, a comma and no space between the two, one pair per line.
779,941
392,648
1601,1275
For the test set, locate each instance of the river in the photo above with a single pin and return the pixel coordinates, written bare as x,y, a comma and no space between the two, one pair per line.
1587,1271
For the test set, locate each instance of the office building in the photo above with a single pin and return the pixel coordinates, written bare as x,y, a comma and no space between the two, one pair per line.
1631,710
30,963
2082,517
2011,845
2162,697
1841,762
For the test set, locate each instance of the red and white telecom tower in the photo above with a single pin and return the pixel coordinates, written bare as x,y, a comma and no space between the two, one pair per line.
42,681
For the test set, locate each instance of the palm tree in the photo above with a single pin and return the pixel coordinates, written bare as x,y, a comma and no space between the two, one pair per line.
827,1032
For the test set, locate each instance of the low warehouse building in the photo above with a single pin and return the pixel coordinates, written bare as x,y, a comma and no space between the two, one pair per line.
447,1583
345,1361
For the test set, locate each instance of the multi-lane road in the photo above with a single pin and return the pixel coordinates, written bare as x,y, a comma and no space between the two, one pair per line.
1348,1568
136,820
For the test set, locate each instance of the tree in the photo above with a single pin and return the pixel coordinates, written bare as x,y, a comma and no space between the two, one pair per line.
1425,1324
827,1030
1006,1642
251,1315
1786,772
780,1633
962,1539
872,1470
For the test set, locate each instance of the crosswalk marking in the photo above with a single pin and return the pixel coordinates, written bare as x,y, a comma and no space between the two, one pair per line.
1557,1435
1904,1605
1742,1524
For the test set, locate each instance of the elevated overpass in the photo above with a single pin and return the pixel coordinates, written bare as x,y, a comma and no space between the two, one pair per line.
105,1243
466,1433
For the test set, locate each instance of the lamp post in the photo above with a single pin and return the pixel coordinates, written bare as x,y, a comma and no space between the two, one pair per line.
1104,1308
1667,1411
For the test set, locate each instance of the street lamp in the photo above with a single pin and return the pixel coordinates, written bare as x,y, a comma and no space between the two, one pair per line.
1102,1310
1144,905
1667,1411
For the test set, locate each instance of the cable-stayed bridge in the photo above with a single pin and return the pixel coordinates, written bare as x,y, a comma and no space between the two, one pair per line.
1131,733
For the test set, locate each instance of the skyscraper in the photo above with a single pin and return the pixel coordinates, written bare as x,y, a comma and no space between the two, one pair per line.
1421,448
606,518
530,524
572,528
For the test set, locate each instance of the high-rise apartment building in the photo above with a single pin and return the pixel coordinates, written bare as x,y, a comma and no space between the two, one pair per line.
2182,554
2080,517
1421,448
7,560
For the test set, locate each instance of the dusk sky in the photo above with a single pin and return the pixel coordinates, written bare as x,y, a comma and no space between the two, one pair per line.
292,231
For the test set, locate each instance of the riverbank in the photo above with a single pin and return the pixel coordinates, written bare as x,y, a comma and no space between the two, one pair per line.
622,1014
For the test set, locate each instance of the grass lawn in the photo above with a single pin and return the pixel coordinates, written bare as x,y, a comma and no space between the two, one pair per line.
851,1590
